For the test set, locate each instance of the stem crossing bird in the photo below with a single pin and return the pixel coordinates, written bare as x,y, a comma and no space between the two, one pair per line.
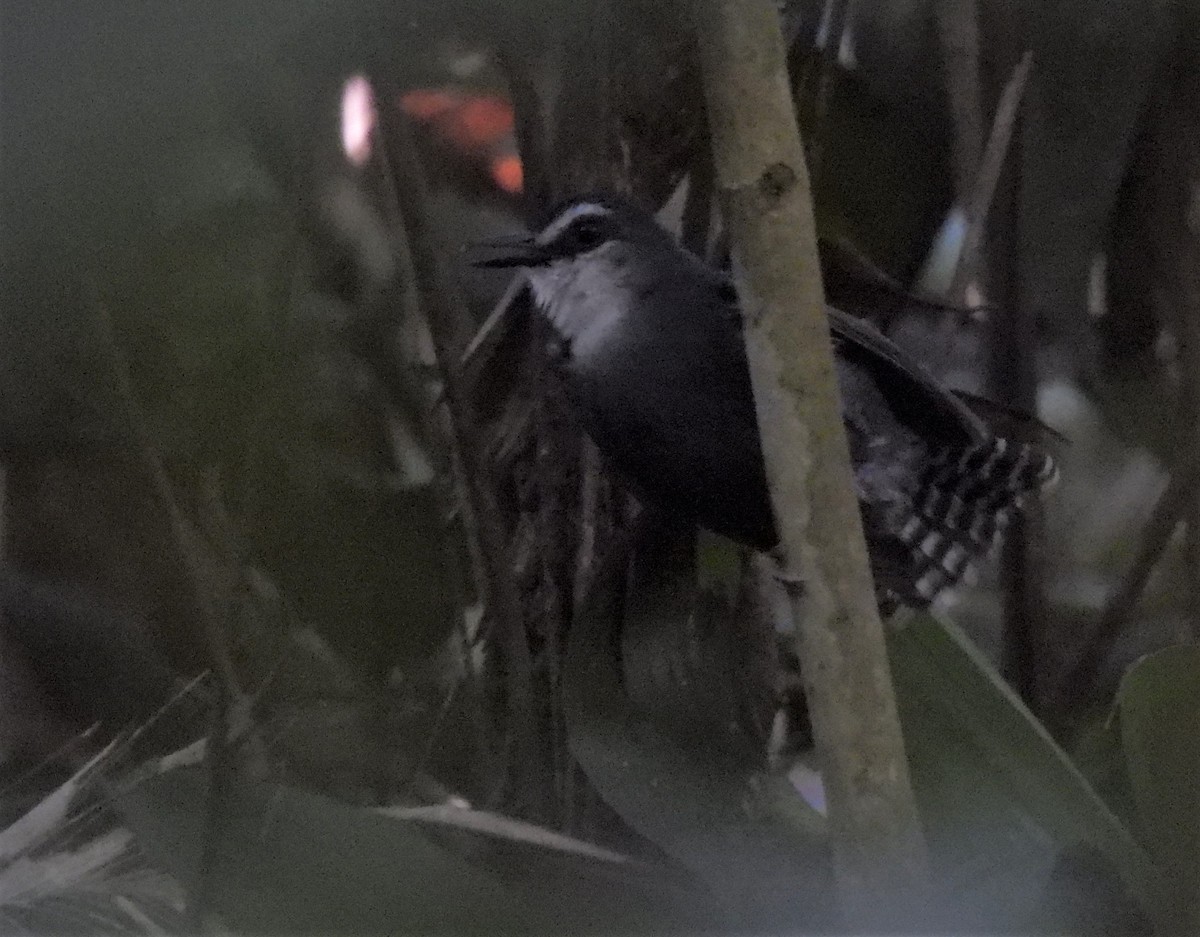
655,367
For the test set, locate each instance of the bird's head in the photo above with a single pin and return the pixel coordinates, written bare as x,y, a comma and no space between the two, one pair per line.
586,261
578,230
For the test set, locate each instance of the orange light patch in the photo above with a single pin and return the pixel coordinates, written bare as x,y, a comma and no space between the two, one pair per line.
508,173
470,122
428,103
479,126
484,120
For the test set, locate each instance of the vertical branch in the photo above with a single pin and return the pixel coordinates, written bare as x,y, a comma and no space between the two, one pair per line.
529,114
833,23
1174,221
979,196
1013,377
181,540
585,149
445,314
879,854
1154,273
958,36
232,719
3,515
697,210
1077,686
1187,307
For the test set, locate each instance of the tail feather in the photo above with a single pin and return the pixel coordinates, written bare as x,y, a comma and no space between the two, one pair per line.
963,506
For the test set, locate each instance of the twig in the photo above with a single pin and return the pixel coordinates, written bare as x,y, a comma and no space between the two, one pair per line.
1175,153
1012,376
994,157
1024,606
559,448
879,854
585,147
592,516
1078,684
3,514
834,17
445,313
696,223
214,635
1185,301
958,35
493,332
532,139
232,721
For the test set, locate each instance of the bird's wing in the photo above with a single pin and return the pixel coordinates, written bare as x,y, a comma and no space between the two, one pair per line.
918,399
916,396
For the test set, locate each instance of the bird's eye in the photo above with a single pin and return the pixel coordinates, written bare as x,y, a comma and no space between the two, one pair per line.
587,233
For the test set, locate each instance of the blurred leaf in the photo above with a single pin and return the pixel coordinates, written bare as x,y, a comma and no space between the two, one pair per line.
66,868
1099,755
291,862
1083,895
47,817
1159,704
999,799
690,655
502,827
760,849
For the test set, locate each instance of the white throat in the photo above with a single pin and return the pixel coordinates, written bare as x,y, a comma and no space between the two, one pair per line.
585,298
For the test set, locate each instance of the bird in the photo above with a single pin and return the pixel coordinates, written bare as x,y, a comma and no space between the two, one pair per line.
655,369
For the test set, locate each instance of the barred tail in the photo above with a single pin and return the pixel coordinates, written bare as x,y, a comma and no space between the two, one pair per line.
963,505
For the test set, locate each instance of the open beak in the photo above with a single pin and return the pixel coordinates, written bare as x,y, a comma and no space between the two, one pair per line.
520,250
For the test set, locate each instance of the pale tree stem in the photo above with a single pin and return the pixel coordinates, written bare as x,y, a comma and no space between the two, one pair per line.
878,849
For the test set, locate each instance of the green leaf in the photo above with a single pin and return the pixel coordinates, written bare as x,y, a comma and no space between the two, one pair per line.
1000,801
1159,706
1099,755
280,860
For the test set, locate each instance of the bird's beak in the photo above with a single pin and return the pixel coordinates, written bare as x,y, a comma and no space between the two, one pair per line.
520,250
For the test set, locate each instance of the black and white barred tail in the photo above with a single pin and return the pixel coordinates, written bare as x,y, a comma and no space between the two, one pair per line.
964,503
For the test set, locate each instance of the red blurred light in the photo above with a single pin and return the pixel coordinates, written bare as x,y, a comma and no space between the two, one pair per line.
478,126
509,174
466,120
427,103
484,120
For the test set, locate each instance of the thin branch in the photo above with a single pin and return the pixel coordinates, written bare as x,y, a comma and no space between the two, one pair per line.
879,854
532,138
1186,306
1175,153
181,538
1012,375
833,21
995,155
232,718
1079,683
589,509
586,152
696,224
958,35
3,514
445,313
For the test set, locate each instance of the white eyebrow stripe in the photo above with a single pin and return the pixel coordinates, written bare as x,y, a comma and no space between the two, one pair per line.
563,221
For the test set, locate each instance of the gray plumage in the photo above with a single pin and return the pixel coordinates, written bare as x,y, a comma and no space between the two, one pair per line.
656,369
